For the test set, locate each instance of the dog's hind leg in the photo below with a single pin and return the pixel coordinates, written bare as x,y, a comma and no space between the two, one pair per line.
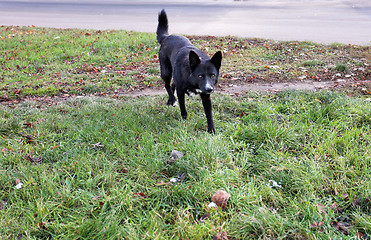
170,92
173,88
206,102
166,74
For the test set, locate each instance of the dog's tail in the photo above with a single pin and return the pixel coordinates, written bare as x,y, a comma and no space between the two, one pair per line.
162,28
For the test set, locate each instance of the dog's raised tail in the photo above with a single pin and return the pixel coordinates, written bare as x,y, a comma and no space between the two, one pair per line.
162,28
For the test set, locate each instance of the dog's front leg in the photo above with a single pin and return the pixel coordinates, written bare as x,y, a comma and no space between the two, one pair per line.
206,102
181,96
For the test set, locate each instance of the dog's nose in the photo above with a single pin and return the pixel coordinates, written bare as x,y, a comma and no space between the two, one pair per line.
209,89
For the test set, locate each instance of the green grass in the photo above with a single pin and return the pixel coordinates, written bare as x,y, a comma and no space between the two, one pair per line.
98,155
341,67
285,61
41,61
98,167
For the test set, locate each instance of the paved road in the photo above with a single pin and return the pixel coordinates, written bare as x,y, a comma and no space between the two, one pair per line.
325,21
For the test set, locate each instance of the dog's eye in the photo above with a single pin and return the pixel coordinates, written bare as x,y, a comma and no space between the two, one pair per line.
212,76
201,76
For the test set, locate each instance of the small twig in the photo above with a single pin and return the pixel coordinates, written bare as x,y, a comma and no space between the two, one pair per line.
21,228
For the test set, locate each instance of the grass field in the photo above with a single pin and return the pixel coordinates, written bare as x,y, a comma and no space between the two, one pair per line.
296,164
37,61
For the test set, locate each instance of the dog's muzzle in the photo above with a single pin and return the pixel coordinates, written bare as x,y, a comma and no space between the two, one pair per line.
209,89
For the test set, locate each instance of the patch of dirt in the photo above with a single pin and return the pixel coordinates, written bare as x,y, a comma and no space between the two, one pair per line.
353,87
363,87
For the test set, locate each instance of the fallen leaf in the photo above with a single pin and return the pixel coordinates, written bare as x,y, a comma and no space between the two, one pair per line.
220,198
334,206
316,224
4,151
362,236
97,144
28,124
356,202
33,159
96,197
28,137
124,170
3,204
342,227
335,190
204,217
327,181
41,225
181,177
321,208
221,235
345,196
140,194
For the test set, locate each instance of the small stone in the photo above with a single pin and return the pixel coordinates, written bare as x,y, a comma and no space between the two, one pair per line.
212,205
175,155
220,198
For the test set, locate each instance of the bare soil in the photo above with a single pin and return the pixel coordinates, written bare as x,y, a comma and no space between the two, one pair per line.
348,86
363,87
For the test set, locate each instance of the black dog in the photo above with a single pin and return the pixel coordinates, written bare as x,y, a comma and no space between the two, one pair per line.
192,70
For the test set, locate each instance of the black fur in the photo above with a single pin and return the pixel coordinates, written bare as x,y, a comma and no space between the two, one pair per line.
192,70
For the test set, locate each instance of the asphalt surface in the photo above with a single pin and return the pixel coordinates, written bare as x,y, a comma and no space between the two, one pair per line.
323,21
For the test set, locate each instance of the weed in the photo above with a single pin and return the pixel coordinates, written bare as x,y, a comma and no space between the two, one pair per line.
312,63
341,67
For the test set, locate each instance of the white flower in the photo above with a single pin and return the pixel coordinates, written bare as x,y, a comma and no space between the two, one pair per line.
19,185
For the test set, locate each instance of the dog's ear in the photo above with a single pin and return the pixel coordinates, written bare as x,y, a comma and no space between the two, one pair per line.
217,59
194,60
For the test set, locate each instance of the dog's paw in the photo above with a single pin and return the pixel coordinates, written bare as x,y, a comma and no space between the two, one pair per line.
211,131
171,102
